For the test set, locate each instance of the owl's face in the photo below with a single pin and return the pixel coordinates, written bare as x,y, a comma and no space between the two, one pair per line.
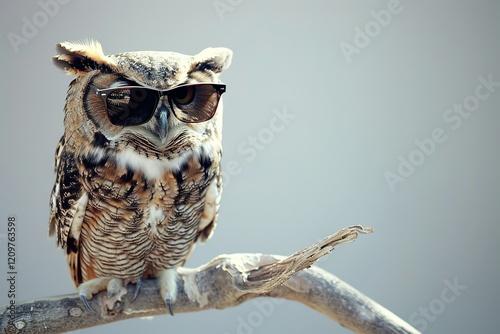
155,100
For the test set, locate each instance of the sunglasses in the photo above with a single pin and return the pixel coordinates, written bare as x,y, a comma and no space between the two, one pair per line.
136,105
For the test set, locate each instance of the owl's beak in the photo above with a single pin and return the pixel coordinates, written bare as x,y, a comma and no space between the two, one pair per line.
162,125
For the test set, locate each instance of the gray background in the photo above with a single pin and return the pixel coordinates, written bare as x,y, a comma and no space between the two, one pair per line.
323,171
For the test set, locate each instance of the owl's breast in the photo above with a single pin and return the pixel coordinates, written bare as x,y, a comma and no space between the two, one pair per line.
176,205
136,224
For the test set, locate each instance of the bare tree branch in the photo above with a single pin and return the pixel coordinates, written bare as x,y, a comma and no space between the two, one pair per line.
226,281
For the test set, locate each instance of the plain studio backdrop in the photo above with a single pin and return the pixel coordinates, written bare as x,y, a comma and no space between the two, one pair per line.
379,113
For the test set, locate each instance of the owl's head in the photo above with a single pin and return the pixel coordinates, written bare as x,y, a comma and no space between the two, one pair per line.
160,100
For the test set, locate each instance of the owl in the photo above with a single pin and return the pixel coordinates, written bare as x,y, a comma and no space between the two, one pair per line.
138,175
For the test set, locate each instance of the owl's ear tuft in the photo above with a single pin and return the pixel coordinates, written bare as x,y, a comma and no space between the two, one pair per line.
81,57
213,59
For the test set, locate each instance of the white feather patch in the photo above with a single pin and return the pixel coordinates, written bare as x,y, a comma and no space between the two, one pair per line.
210,209
76,224
55,193
151,168
156,216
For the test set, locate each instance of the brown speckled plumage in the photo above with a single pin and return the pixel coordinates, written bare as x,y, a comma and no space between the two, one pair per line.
125,204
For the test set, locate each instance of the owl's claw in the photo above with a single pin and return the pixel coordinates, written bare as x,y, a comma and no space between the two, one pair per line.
168,287
114,287
138,285
168,301
83,298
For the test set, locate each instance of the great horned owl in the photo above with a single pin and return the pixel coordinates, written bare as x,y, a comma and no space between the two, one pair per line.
138,167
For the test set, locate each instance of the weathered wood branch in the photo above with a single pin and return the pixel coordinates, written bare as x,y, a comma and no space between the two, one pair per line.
226,281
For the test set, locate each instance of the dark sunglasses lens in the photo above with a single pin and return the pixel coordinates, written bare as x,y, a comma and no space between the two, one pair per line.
131,106
194,104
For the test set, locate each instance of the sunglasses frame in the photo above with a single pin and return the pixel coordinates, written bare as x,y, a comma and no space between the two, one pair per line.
103,93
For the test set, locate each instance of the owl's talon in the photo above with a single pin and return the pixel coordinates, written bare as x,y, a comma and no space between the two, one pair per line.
85,302
168,301
113,286
138,285
168,287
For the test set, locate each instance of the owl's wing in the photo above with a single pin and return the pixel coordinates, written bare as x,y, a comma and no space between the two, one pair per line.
68,203
208,220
